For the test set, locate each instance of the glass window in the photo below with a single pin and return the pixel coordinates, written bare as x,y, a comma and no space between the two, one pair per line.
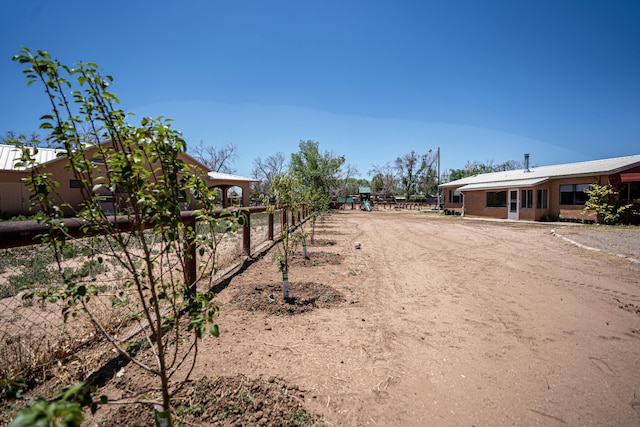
634,192
566,194
543,199
455,196
630,192
75,183
496,199
513,201
574,194
581,195
526,199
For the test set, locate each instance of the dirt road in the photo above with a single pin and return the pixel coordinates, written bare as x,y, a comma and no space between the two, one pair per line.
445,321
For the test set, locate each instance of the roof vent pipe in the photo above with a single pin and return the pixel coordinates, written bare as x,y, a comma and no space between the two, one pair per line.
526,163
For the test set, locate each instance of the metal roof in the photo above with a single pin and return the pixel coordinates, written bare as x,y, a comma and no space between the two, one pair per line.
10,155
229,177
503,184
507,178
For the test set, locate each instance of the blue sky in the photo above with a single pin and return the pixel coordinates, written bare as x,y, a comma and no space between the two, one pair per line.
372,80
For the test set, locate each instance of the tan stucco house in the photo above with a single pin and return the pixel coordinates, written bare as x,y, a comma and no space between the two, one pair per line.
14,194
542,192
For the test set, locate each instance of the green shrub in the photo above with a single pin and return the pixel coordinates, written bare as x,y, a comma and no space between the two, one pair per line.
604,201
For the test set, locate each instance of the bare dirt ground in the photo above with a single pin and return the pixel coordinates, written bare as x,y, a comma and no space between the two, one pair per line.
434,321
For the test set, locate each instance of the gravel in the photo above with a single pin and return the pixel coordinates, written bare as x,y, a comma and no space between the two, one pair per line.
624,241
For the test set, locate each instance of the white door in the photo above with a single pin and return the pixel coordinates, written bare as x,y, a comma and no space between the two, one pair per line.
513,204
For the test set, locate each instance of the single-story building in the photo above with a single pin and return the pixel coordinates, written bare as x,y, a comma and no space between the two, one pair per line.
14,194
542,192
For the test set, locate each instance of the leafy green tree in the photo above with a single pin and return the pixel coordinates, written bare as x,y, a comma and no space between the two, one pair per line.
317,205
317,171
286,193
142,166
604,201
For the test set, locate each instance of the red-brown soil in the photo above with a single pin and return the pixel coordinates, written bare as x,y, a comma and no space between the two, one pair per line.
434,321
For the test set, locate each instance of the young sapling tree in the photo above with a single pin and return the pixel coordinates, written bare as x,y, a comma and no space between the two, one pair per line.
141,172
286,194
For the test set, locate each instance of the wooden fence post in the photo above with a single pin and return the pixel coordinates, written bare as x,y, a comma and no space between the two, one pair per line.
246,233
270,226
191,275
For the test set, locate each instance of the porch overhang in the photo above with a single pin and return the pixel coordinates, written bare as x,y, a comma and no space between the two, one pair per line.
503,184
629,177
225,181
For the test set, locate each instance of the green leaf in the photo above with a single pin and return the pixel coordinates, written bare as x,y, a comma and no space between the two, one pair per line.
214,330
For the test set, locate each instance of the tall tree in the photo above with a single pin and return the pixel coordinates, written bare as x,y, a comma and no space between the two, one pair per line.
476,168
410,168
34,139
429,180
216,159
317,171
349,183
384,180
264,171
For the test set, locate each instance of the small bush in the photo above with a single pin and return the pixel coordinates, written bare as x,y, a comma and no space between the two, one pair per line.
604,201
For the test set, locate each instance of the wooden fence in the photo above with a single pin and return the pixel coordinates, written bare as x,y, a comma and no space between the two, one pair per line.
31,335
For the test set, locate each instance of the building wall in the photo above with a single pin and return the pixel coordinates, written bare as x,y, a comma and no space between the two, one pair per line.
571,211
475,202
456,207
14,195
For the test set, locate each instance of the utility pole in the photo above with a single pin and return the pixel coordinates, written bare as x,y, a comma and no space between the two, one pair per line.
438,180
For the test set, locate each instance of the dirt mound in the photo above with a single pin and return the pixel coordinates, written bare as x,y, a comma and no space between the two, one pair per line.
228,401
303,297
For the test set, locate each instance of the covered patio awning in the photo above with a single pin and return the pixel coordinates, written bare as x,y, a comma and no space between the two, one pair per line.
225,181
503,184
621,178
630,177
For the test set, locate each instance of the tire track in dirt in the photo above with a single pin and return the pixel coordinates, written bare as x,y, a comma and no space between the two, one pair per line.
479,305
451,322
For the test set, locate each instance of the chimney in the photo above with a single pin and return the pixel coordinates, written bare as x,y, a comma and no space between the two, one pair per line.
526,163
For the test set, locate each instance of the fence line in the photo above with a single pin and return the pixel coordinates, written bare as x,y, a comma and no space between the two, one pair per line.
33,335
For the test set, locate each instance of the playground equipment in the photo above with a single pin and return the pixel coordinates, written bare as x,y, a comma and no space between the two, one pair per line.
365,196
